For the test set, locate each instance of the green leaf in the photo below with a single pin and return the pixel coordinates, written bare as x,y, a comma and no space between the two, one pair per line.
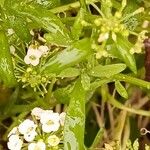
121,90
68,57
123,52
6,66
62,95
58,33
75,120
19,25
107,70
85,81
69,72
77,26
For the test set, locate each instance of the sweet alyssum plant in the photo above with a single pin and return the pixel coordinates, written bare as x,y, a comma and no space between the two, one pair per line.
84,57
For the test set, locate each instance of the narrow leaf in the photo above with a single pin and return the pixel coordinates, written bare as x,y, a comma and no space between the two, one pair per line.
121,89
122,51
69,72
107,70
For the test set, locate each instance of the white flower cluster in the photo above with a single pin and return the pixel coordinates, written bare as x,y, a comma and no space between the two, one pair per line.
43,131
34,54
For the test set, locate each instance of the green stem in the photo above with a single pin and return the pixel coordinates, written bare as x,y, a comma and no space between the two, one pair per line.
70,6
132,80
97,139
83,4
49,92
117,104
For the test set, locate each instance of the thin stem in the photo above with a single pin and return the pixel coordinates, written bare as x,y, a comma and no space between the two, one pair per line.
70,6
98,10
49,92
83,4
97,139
117,104
120,125
126,134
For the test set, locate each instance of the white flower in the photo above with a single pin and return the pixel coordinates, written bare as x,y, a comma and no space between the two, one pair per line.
103,37
53,140
43,49
14,142
37,112
37,146
30,136
50,122
13,131
12,49
32,57
27,126
10,32
62,118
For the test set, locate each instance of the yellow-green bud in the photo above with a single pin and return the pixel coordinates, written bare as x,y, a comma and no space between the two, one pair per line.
98,21
29,69
118,14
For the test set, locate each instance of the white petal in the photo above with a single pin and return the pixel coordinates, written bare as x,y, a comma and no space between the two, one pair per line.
35,62
27,126
14,143
43,49
103,37
34,52
39,145
50,128
62,118
29,137
13,131
37,112
27,59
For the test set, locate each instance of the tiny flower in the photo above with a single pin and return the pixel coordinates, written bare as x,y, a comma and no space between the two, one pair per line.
12,49
13,131
62,118
32,57
40,145
114,37
53,140
50,122
30,136
103,37
14,142
37,112
43,49
27,126
10,32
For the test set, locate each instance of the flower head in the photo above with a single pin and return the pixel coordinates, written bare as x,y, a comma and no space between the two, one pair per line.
27,128
32,57
14,142
50,122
